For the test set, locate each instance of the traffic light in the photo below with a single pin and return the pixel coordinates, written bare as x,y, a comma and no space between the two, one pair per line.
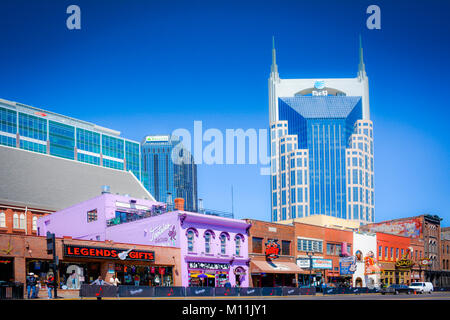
50,243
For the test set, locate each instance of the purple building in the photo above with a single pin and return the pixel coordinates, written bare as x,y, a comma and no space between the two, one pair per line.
214,250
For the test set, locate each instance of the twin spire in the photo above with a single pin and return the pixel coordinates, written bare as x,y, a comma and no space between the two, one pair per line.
361,66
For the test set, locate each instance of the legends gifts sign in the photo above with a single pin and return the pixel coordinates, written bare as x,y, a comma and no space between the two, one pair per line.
108,253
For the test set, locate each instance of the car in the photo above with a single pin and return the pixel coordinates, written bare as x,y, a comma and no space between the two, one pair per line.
396,289
422,287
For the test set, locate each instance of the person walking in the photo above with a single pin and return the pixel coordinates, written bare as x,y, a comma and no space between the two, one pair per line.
50,284
114,281
99,282
38,285
31,286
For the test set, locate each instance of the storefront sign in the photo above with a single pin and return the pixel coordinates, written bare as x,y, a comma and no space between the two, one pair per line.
322,263
272,249
317,263
209,266
425,262
163,234
347,265
404,264
370,264
107,253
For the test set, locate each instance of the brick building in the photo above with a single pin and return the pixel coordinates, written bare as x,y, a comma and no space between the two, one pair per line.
22,254
323,247
423,229
445,256
267,272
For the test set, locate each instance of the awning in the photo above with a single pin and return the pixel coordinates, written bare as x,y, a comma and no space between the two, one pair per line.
274,267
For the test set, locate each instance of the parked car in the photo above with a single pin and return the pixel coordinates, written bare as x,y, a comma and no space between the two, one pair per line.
422,287
396,289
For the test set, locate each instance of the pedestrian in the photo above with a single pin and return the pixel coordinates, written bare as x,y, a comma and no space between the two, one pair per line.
136,280
31,286
114,281
50,284
100,282
38,285
227,284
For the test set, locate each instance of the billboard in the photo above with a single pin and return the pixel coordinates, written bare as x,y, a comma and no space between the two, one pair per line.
347,265
411,228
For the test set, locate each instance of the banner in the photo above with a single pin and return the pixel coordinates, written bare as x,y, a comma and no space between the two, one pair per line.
222,291
200,291
347,265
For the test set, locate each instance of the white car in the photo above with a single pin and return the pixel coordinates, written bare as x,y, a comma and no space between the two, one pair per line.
422,287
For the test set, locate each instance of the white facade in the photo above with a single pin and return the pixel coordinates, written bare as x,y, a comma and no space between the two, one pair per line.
364,243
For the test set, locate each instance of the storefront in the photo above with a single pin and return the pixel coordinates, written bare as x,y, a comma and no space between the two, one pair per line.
387,273
206,274
83,264
320,272
82,261
274,274
403,271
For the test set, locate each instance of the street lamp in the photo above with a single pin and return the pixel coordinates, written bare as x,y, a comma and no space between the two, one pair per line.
310,255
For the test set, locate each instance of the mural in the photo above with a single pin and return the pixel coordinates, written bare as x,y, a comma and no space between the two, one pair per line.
370,264
411,228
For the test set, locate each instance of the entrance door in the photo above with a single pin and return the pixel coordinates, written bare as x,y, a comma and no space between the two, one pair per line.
6,269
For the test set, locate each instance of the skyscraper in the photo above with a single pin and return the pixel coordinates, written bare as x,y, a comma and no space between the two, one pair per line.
46,132
169,171
321,147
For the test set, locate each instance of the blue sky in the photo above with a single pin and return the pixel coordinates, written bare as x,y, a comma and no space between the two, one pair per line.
149,67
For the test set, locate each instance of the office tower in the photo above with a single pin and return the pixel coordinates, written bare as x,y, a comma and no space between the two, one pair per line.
45,132
321,147
169,171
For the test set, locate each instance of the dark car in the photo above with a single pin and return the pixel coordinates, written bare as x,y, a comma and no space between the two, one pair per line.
396,289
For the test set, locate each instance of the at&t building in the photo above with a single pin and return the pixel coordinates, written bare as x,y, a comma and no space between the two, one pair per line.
321,148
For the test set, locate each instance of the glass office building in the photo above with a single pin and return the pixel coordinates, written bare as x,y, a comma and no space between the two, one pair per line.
37,130
321,147
169,171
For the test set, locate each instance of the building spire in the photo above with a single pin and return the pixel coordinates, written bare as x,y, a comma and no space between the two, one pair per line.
361,66
274,67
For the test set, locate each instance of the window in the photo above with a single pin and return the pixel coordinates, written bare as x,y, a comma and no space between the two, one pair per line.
309,245
385,252
207,242
257,245
285,247
22,222
2,220
330,248
34,220
92,215
223,243
392,253
238,245
190,238
396,253
379,251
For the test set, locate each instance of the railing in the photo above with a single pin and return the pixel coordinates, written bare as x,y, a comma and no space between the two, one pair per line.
135,215
144,291
11,290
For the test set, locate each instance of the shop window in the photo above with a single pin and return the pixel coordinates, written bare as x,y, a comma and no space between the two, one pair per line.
190,239
223,243
257,245
2,220
92,215
207,242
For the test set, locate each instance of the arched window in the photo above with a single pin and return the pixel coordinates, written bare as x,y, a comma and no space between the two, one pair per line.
190,239
238,245
22,221
223,243
2,220
16,221
207,242
34,223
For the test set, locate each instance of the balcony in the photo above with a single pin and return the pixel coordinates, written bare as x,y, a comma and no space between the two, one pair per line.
130,215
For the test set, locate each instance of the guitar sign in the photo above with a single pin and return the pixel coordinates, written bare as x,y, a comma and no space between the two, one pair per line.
123,255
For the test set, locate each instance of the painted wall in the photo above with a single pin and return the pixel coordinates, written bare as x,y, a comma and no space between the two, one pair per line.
364,242
231,228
